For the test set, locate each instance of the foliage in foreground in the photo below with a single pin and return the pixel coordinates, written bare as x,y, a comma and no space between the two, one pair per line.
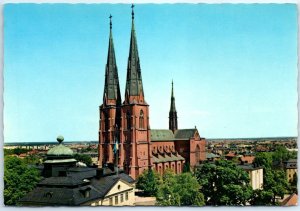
180,190
223,183
84,158
149,181
19,179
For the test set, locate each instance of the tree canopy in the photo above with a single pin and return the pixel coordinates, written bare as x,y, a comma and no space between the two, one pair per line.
223,183
84,158
18,179
180,190
149,181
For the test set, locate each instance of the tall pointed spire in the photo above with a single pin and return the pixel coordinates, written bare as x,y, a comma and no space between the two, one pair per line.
173,113
134,85
112,95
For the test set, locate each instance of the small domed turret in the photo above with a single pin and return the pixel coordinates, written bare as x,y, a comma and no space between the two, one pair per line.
60,150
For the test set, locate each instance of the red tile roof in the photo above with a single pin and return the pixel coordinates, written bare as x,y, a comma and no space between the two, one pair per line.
292,200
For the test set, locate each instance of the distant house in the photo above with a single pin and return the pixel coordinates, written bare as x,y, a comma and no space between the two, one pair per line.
212,156
255,174
290,168
65,184
247,159
230,156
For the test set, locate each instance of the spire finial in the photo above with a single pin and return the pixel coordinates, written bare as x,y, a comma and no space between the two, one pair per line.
172,89
132,12
110,23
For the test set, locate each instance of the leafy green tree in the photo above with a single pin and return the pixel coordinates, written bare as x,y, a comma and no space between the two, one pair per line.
262,198
275,181
263,159
281,154
33,159
186,168
180,190
19,179
223,183
149,181
84,158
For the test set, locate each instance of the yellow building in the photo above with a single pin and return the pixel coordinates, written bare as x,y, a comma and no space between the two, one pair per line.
290,168
255,174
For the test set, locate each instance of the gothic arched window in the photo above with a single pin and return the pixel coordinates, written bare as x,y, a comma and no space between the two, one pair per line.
128,118
141,120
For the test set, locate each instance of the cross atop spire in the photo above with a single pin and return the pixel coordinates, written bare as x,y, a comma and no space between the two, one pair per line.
132,12
134,86
110,23
111,94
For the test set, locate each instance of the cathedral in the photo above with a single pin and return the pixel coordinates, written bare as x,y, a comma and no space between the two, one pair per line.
125,137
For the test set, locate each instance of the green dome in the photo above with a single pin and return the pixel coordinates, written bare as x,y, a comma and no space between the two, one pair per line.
60,150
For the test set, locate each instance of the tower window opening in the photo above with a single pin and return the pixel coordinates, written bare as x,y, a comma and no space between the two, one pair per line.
141,120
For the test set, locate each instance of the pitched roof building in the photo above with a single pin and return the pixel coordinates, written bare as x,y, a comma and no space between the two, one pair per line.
65,184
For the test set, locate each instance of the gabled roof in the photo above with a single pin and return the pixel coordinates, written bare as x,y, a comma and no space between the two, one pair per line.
168,135
162,135
54,196
292,200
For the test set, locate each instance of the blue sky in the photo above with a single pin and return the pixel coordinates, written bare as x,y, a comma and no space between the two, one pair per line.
234,67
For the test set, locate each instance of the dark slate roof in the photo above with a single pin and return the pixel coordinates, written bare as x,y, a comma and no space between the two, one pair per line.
59,196
49,193
185,133
249,167
104,184
291,164
62,181
82,172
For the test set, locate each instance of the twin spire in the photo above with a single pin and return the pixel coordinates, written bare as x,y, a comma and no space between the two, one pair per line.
134,87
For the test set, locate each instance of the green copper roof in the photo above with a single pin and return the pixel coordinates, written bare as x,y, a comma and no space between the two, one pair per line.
168,135
111,87
60,150
185,133
162,135
134,85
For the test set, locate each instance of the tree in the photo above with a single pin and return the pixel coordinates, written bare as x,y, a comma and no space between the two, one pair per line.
223,183
262,197
84,158
186,168
180,190
275,182
263,159
281,154
149,182
19,179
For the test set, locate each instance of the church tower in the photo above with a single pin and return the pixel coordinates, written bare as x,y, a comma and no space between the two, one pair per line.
135,116
110,110
173,113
